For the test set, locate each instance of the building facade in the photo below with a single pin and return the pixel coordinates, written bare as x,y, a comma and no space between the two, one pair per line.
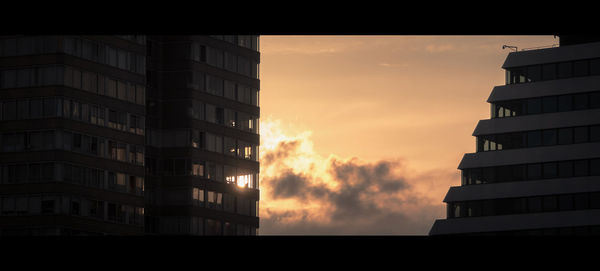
129,135
202,159
536,168
72,133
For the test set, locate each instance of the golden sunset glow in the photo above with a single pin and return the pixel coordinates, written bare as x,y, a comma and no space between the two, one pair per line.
363,134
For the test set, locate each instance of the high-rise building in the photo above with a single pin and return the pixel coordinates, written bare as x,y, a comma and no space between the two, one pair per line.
536,169
202,126
84,150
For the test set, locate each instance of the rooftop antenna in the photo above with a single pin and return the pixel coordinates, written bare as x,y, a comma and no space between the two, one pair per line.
508,46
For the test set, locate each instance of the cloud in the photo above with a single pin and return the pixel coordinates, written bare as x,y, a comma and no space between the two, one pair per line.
393,65
340,196
439,48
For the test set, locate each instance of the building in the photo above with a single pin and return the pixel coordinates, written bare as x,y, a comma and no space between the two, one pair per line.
128,135
536,168
202,124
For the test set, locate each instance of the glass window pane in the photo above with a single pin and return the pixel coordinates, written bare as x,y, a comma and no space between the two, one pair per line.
534,204
49,107
534,171
565,70
594,100
9,79
565,136
534,138
549,71
595,133
580,134
565,169
23,109
534,73
550,170
549,137
534,106
580,168
35,108
550,104
580,101
581,68
595,167
595,66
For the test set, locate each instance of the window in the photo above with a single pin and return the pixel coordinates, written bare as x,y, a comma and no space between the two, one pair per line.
534,138
549,71
549,137
111,88
35,141
580,168
565,70
76,78
23,109
595,133
75,110
198,169
580,134
581,68
9,79
35,108
550,203
25,78
230,62
230,90
595,167
9,110
49,107
534,171
534,106
550,170
47,206
550,104
580,101
122,59
534,73
534,204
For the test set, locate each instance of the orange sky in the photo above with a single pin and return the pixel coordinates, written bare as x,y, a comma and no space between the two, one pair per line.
373,127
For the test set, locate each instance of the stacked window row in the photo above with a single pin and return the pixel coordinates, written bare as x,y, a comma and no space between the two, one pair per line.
48,204
223,88
203,226
35,108
71,173
224,60
531,172
523,205
551,71
547,104
546,137
201,197
204,141
246,41
224,116
28,46
140,39
243,178
76,78
72,141
105,54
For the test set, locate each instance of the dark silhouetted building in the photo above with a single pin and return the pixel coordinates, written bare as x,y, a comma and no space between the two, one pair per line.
536,169
129,135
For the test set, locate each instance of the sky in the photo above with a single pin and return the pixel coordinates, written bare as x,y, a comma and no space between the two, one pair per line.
362,135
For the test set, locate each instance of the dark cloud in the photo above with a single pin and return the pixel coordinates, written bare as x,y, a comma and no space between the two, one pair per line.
284,149
368,198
